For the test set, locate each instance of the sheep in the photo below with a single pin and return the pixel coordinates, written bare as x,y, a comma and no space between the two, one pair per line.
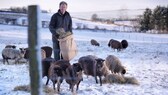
56,75
74,76
115,44
48,61
94,42
92,67
60,72
10,46
27,51
114,64
124,44
104,69
45,67
10,53
64,64
48,50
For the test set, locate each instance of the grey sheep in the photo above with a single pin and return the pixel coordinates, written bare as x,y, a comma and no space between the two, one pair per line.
124,44
10,53
115,44
114,64
74,76
94,42
92,67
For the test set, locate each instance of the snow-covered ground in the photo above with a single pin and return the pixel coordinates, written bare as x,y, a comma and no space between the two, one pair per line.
146,59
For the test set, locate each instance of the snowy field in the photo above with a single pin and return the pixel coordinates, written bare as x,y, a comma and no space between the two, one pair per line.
146,59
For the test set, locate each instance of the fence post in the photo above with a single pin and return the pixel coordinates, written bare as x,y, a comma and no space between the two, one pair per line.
35,51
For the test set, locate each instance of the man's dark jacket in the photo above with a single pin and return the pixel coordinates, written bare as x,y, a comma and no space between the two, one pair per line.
59,20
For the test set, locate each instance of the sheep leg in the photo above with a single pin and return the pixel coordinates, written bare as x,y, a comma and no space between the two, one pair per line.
72,88
3,61
100,80
58,87
77,85
47,80
54,82
7,61
96,79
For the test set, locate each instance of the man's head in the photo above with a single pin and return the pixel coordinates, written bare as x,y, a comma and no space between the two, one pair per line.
63,6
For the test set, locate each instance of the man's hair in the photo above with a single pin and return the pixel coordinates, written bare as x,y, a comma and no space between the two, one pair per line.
63,2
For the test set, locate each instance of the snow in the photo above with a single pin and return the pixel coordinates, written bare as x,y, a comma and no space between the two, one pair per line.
146,59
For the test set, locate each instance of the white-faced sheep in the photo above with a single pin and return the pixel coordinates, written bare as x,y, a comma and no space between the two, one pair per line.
124,44
114,64
10,46
10,53
115,44
94,42
92,67
74,76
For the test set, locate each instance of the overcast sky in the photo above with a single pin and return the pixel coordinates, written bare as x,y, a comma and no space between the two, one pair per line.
86,5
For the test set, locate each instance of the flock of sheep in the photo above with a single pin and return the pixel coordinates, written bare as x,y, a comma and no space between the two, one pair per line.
90,65
59,70
114,44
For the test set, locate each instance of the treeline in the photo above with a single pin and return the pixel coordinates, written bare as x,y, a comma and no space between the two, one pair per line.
18,9
156,19
21,10
97,19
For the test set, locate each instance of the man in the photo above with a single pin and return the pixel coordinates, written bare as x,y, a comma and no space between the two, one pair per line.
61,19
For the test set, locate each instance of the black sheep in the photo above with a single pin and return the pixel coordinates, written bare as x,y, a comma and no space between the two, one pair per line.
45,67
115,44
124,44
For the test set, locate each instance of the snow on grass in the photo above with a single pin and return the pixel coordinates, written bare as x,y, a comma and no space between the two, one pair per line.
146,59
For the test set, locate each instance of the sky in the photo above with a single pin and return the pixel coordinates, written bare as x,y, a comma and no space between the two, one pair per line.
85,5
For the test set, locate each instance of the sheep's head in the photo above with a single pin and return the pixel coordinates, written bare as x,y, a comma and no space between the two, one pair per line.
123,71
58,70
77,67
99,63
22,52
14,47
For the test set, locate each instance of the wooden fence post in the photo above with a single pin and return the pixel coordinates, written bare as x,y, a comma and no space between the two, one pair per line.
35,50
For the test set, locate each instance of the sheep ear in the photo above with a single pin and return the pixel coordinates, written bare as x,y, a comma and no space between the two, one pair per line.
75,64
